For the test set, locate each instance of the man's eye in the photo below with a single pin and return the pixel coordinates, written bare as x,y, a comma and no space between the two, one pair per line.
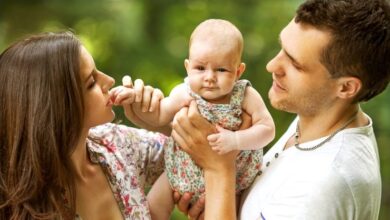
299,68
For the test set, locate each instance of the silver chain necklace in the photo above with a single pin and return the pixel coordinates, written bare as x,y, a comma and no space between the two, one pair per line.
297,134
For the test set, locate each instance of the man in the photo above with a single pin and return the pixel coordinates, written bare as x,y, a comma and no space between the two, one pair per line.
334,54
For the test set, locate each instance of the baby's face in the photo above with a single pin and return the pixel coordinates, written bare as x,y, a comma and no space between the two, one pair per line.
213,70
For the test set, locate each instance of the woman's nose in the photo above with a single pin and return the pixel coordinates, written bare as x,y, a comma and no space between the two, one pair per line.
108,83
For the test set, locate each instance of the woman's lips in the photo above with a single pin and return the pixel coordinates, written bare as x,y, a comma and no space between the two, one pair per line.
109,102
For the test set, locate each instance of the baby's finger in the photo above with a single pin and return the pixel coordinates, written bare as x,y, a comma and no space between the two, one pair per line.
212,137
221,152
155,102
215,147
127,100
113,93
126,81
219,128
138,88
125,96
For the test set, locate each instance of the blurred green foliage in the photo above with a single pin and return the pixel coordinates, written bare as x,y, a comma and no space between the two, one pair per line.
148,39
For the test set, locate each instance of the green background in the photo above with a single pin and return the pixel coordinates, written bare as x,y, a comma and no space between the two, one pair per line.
148,39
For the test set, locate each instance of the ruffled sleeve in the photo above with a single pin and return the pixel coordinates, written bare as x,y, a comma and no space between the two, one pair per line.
132,147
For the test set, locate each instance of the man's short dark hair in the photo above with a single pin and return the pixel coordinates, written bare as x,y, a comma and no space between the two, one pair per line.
359,46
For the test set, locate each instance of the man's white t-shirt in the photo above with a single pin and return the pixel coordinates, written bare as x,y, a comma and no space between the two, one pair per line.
339,180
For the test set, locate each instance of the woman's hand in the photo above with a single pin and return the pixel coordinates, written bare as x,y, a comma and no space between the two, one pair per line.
139,101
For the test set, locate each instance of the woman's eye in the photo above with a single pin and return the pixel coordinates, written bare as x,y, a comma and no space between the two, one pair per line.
91,84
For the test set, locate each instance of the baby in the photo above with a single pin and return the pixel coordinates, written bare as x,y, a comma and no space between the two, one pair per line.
214,67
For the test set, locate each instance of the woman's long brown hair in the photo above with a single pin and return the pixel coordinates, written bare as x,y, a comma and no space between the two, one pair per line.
41,120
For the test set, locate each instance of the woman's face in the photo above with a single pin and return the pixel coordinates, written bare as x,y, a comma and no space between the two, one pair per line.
96,84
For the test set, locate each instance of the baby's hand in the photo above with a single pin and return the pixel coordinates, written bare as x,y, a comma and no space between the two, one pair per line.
125,94
224,141
146,96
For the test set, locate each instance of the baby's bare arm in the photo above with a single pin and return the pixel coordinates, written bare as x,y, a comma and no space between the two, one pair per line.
169,106
262,130
166,108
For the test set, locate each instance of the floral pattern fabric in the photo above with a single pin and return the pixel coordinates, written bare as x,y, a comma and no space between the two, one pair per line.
131,160
184,175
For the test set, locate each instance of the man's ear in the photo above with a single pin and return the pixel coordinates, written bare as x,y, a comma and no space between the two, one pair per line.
349,87
240,70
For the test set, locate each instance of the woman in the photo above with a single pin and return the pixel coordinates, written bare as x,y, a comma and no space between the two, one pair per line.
53,165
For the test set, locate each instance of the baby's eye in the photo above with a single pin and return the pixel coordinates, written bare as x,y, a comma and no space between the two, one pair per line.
221,70
200,68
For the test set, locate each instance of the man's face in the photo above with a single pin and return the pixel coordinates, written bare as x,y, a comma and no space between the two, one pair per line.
301,83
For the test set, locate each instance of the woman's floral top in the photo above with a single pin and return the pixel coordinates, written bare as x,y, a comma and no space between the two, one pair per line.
184,175
131,159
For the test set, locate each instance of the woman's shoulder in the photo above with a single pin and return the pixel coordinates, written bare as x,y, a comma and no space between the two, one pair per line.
113,129
123,134
113,133
106,129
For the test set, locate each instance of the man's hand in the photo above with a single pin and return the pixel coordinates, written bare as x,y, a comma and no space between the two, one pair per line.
195,211
190,130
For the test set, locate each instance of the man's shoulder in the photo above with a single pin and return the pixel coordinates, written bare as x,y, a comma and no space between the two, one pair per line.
354,168
356,152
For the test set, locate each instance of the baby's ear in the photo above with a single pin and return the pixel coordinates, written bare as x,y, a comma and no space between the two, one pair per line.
240,70
186,63
349,87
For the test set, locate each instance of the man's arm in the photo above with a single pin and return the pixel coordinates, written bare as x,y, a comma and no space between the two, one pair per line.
190,130
262,130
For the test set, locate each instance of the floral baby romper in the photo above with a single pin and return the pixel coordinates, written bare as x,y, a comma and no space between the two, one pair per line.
184,175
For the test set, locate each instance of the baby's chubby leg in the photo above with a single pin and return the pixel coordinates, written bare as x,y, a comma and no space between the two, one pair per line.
160,199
